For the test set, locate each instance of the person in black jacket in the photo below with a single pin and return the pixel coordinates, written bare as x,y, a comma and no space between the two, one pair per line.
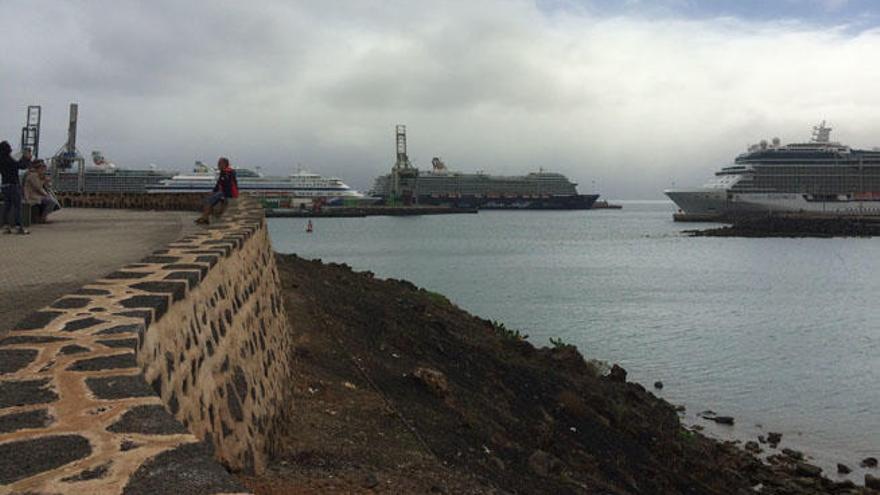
11,186
225,189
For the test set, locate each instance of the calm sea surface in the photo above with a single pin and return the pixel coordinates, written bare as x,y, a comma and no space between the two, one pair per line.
782,334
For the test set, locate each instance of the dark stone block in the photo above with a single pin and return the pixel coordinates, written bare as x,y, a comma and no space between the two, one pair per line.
90,474
120,329
25,458
188,468
119,387
158,303
173,404
161,259
156,385
73,326
176,289
23,393
85,291
248,460
32,419
240,382
234,404
169,363
31,339
126,275
73,349
71,302
192,278
97,309
37,319
120,343
128,445
209,259
12,360
114,362
147,316
147,420
203,270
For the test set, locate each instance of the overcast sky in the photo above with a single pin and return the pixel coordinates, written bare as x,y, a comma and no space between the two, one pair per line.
626,96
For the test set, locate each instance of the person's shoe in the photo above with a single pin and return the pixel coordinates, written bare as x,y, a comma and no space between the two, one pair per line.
23,231
202,221
7,230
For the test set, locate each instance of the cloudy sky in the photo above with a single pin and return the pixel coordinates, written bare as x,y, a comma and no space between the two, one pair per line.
627,96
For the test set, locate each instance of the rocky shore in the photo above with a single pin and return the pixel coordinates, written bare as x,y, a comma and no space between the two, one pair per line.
794,226
396,390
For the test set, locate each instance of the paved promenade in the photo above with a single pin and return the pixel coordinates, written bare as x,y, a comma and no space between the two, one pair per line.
79,246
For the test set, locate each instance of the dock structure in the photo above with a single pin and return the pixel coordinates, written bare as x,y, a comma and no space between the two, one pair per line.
368,211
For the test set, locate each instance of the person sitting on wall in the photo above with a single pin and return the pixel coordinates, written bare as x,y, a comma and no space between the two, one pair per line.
225,189
11,186
36,190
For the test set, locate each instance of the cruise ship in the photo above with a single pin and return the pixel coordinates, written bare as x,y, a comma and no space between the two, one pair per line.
440,186
300,185
104,176
820,176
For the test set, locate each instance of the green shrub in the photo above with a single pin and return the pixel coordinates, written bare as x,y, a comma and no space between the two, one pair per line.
507,333
438,298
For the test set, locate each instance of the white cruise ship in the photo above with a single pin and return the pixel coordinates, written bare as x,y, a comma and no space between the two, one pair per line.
819,176
300,185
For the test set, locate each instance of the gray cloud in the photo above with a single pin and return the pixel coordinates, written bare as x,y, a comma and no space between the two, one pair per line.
632,104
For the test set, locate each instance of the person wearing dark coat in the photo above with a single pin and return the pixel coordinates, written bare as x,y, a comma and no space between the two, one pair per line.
11,186
225,189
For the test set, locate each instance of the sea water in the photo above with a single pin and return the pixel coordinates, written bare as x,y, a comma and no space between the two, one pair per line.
781,334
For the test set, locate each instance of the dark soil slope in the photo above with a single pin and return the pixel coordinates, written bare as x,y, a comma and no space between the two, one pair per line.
399,391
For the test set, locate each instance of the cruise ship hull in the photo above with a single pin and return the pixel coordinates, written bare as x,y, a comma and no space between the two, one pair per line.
717,204
701,202
121,181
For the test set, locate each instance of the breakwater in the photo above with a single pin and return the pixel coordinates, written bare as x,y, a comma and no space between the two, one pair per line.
794,225
138,381
368,211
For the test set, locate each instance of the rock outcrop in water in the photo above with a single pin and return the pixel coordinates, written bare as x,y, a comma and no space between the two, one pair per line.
397,390
794,226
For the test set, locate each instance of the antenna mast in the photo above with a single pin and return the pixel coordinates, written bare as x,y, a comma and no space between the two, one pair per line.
821,133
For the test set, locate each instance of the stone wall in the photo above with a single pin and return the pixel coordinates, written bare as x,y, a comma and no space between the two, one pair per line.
90,386
134,201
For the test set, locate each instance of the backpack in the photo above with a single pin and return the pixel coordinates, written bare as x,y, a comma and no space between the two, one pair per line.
233,186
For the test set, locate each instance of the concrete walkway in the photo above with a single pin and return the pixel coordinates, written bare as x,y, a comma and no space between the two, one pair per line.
80,245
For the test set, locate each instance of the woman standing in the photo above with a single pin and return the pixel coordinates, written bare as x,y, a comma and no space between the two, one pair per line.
11,186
